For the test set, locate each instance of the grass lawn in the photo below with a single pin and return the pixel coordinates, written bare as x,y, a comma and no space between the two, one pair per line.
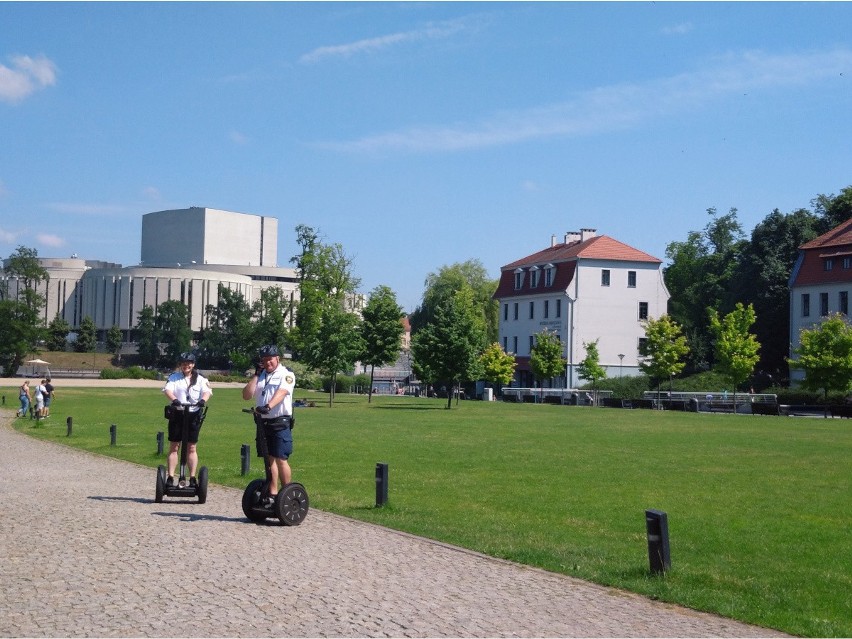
759,508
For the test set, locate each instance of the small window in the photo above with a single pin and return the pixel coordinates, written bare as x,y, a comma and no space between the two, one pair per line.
631,279
515,344
505,312
519,278
532,342
548,275
546,309
505,344
643,341
847,262
844,302
535,275
605,277
558,308
532,310
643,310
828,264
823,304
806,305
516,310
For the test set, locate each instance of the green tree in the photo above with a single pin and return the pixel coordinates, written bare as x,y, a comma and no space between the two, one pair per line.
833,210
498,367
663,349
147,337
337,344
173,327
737,350
270,315
230,338
546,360
87,336
448,348
381,331
57,334
441,286
20,308
114,339
590,367
825,355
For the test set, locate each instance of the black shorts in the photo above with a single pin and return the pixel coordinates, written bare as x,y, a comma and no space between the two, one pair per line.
278,439
176,427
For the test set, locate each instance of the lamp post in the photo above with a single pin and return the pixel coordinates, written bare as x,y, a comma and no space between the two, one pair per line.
620,363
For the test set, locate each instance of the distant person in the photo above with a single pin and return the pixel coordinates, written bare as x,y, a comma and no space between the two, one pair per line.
39,400
48,397
185,386
272,387
24,397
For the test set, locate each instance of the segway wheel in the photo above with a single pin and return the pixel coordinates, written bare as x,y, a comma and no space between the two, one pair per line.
291,504
251,501
161,484
202,485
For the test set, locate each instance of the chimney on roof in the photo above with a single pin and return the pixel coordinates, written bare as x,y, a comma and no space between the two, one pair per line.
586,234
552,241
572,236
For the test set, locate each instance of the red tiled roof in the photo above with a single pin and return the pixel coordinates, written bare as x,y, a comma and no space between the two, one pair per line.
836,244
838,236
564,257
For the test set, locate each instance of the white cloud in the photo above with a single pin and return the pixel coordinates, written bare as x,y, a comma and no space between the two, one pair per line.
429,32
151,192
25,76
48,239
678,29
614,107
238,138
8,237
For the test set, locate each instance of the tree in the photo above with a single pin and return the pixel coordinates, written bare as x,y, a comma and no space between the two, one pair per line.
590,368
663,349
114,341
87,336
441,286
270,315
173,326
336,345
57,334
229,339
736,349
497,366
833,209
381,331
546,360
825,355
20,323
147,337
448,348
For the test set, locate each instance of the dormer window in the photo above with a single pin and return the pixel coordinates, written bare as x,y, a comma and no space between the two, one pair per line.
548,275
535,276
519,278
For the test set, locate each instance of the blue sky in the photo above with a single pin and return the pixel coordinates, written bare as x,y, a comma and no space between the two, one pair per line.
417,135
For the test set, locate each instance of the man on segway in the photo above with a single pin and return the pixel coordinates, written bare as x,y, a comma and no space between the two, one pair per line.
185,386
272,386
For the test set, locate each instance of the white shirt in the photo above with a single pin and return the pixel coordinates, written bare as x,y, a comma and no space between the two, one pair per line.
184,392
268,385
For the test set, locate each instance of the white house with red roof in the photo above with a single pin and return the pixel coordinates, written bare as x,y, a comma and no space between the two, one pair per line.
589,287
820,283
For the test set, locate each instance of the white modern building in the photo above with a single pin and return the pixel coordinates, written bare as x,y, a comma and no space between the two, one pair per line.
589,287
187,255
820,283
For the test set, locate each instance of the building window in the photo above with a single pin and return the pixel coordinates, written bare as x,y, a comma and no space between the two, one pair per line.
823,304
631,279
535,274
828,264
806,305
532,310
505,344
519,279
516,310
643,310
505,312
532,342
605,277
844,302
642,342
546,309
847,262
548,275
558,308
515,344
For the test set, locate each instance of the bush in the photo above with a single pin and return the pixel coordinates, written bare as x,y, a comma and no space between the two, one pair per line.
132,372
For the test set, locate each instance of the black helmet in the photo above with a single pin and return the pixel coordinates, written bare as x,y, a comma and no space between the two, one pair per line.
270,350
187,357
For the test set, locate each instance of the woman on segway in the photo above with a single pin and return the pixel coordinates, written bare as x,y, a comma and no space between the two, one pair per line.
185,386
272,386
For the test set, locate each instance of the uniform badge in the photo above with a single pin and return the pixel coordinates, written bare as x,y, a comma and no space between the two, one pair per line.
289,379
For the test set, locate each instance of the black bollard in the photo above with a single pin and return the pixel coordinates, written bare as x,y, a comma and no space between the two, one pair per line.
112,435
245,456
160,443
381,484
68,422
659,554
4,400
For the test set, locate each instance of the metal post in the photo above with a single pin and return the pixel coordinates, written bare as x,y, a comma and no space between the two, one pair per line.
160,443
245,456
659,555
112,435
69,422
381,484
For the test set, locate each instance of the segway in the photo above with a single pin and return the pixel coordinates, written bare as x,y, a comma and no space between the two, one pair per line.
183,487
291,503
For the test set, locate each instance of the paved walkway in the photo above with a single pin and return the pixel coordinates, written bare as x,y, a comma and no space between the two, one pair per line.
85,551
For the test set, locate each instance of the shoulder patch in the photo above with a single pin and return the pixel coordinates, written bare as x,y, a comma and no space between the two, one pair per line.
289,379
